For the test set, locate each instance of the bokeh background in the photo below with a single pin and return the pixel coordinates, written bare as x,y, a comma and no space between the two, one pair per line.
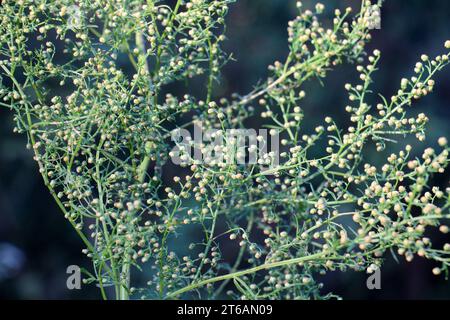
37,244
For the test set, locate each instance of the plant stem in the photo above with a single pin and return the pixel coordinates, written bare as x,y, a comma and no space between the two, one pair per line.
239,257
125,283
238,274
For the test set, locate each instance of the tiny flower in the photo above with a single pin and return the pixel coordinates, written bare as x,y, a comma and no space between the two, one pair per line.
319,8
444,229
442,141
436,271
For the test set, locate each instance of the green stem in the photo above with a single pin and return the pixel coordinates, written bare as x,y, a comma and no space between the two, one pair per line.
239,257
238,274
125,283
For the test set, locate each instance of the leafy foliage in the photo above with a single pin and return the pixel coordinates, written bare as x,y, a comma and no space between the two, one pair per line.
102,147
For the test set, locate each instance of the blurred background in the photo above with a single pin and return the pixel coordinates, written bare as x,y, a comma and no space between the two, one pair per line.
37,244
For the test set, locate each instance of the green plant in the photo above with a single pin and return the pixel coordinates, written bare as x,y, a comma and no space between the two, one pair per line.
102,147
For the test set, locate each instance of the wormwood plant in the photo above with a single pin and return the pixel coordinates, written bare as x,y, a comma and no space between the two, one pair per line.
102,143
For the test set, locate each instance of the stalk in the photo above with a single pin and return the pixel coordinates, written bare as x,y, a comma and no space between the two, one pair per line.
238,274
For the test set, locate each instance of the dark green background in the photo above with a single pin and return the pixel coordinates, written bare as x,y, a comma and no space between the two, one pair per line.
43,242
